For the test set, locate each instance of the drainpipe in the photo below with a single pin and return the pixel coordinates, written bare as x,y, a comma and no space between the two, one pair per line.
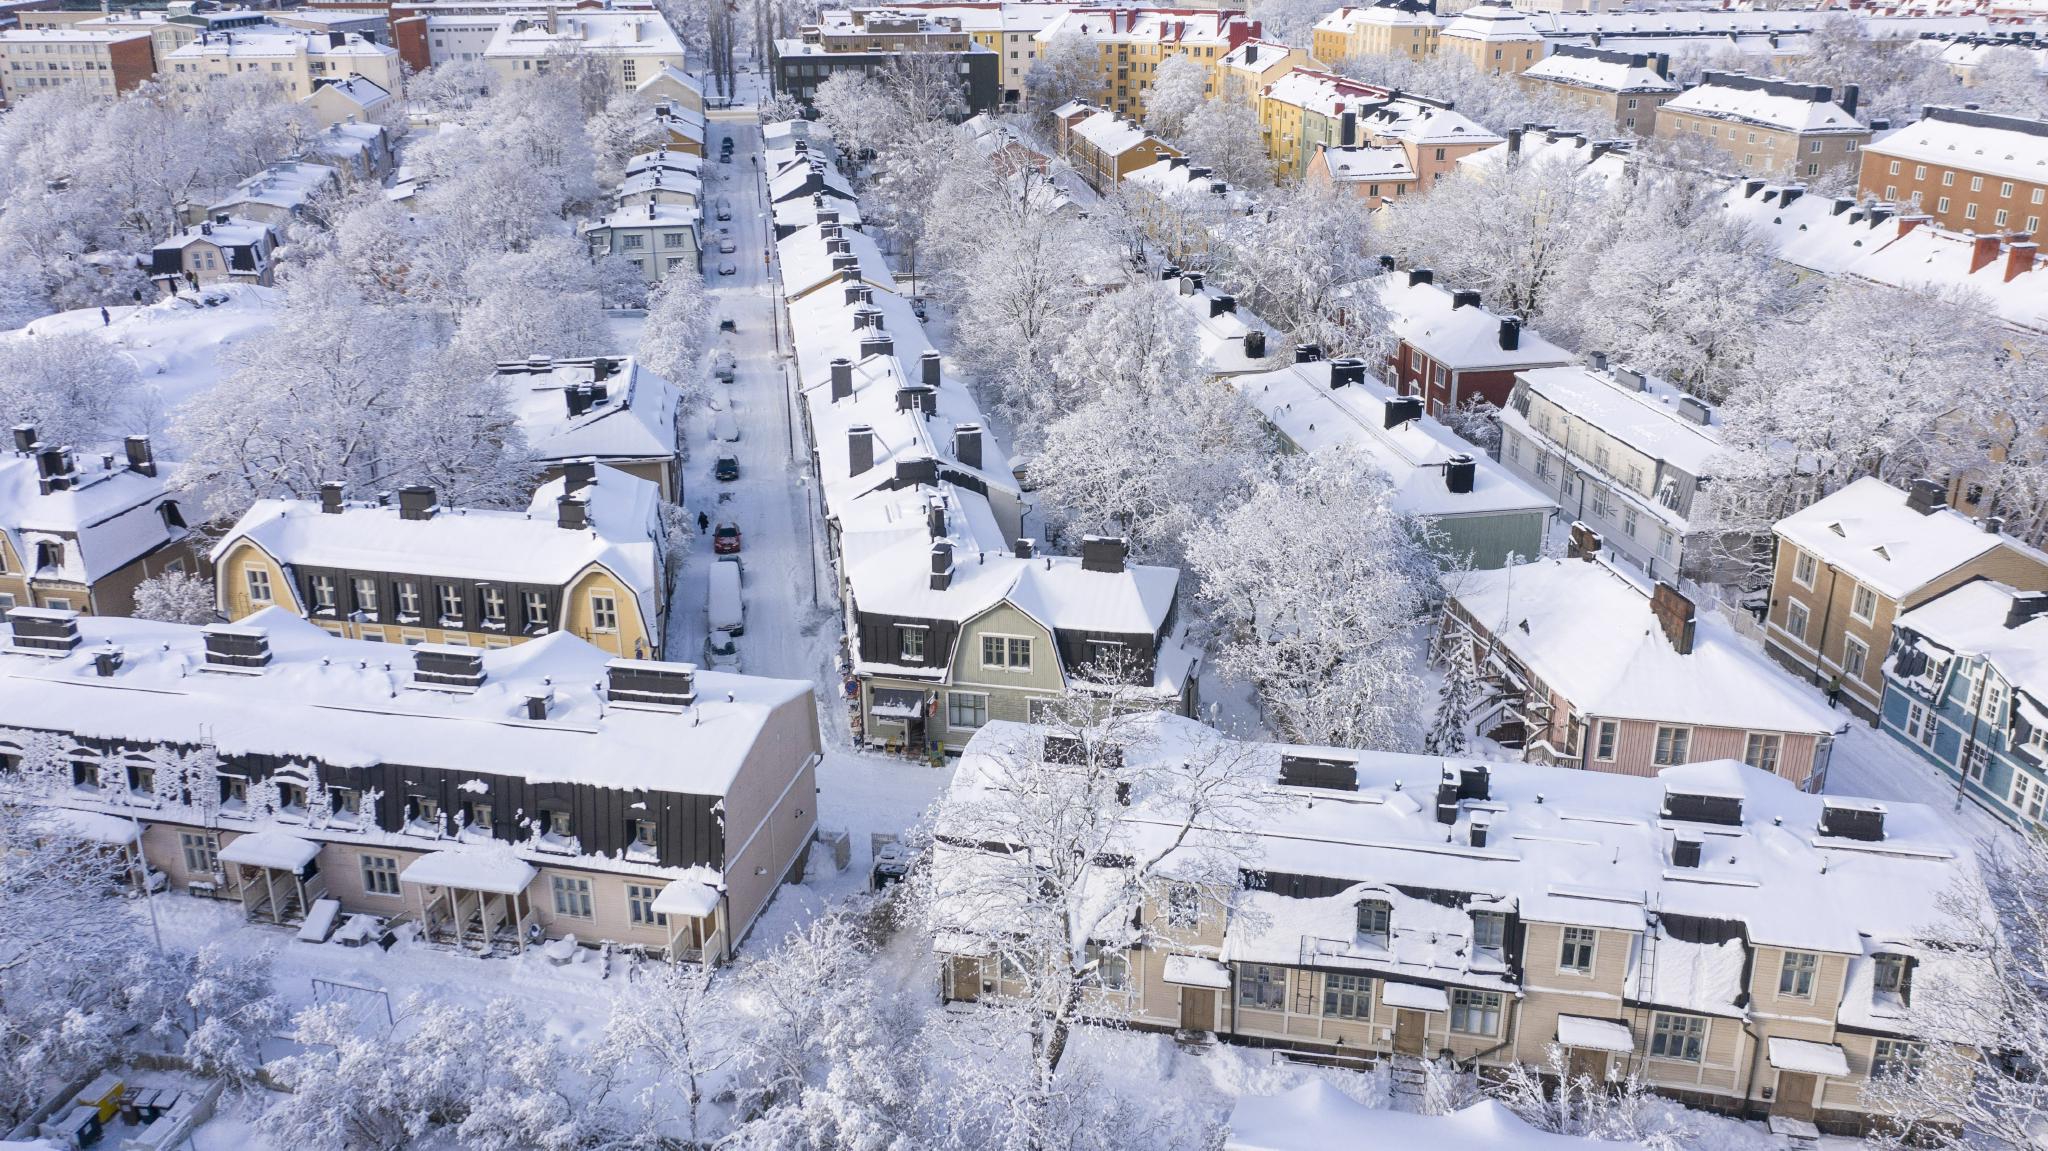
1827,613
725,919
1756,1048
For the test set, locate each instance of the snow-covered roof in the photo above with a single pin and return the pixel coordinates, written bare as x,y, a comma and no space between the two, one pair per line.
633,421
1113,135
1317,1117
1868,532
358,90
234,232
334,700
1384,13
1572,847
1255,56
1425,125
273,41
1971,619
1151,25
1299,402
1647,418
1491,24
648,181
1190,186
643,34
491,867
1875,243
821,177
649,215
663,158
1602,161
1807,109
109,515
1463,339
1221,325
273,849
1787,1054
1609,71
1367,164
1586,630
808,259
673,75
802,211
529,547
1590,1034
2003,147
1325,92
287,184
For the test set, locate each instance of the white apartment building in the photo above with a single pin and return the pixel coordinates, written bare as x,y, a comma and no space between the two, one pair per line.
294,57
636,44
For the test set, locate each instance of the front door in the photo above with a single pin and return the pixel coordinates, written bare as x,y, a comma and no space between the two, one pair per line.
966,972
1197,1009
1795,1096
1588,1065
1408,1031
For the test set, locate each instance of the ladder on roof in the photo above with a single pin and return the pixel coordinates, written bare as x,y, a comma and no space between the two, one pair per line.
1646,984
1305,979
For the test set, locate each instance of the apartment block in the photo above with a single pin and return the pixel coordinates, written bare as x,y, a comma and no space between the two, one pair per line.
1765,127
105,63
1965,168
1629,87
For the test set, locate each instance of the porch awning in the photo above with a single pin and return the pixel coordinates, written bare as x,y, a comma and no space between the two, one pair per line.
687,897
497,872
895,703
1415,997
1594,1034
272,849
1799,1055
1194,971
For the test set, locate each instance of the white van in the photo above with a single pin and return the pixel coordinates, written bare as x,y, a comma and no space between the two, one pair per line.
728,613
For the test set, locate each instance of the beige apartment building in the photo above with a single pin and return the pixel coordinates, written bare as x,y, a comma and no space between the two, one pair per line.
1969,170
103,63
1851,563
1405,28
1396,909
634,45
1497,39
1133,42
1765,127
295,58
1627,87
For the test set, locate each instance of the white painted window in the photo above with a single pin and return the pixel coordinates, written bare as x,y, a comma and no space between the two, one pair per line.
380,874
1796,974
572,896
1606,734
1855,656
1575,950
604,612
1475,1012
1674,744
1682,1037
1795,619
1762,751
259,585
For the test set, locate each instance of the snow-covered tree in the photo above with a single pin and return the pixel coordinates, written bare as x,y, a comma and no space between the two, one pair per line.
1224,135
228,1006
779,107
1315,584
1450,730
1298,264
856,109
1478,421
1895,76
1494,101
1069,67
2007,413
677,332
1982,1022
74,387
2006,81
1132,340
675,1031
540,301
1041,867
1179,89
175,597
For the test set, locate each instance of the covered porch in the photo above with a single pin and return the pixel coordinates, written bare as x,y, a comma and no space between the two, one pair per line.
472,898
278,874
690,909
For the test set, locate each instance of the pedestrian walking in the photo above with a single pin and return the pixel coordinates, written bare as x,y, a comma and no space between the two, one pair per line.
1834,690
703,523
105,318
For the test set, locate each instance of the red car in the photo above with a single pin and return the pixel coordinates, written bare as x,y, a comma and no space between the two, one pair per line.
725,539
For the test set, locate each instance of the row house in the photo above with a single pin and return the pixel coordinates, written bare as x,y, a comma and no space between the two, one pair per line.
828,256
1403,28
1594,667
633,46
1624,453
1965,168
954,619
103,64
1765,127
1395,909
610,410
491,797
588,557
82,534
1132,43
1429,132
279,194
1963,54
658,237
869,41
1376,175
1964,691
1883,243
362,151
671,85
1477,512
220,249
1850,564
1496,39
660,186
347,99
1245,70
296,59
431,32
1609,163
1105,147
1450,350
1627,87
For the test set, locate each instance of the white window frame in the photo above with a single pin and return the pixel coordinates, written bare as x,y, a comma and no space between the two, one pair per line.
1347,996
1007,648
1808,563
380,874
604,612
1853,668
259,586
1797,617
1606,740
1577,950
955,698
1764,750
1862,604
1671,750
1475,1012
1798,975
571,894
1682,1037
640,911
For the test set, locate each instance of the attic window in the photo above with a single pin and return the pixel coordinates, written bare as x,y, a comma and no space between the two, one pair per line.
1837,529
1893,975
1375,921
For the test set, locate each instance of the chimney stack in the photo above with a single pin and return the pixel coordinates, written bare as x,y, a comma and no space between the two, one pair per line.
572,512
942,565
842,378
1026,548
1464,298
1926,496
1460,470
1103,553
1307,353
1510,333
1346,370
2019,259
967,445
141,457
578,474
1675,616
1983,250
24,438
331,499
416,502
860,449
935,518
928,363
1420,276
2025,606
1583,543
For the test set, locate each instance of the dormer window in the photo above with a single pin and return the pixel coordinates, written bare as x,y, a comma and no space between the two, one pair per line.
49,554
291,799
1375,921
423,815
408,600
1489,932
323,594
449,599
234,792
535,605
365,595
174,520
86,774
1894,977
493,600
342,801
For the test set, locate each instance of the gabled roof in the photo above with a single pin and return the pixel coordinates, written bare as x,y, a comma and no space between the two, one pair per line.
1463,339
1113,135
1971,620
673,75
358,90
1806,109
1492,24
2007,147
109,517
1868,532
1596,68
1586,630
635,420
1647,419
808,264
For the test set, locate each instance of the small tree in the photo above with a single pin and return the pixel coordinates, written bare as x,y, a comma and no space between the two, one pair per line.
229,1007
1623,1109
175,597
1450,730
672,1030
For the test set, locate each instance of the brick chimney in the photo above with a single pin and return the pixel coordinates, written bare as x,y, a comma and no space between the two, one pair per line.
2019,259
1583,543
1983,250
1908,223
1674,614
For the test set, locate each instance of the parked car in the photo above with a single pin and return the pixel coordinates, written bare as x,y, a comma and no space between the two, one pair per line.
727,613
725,539
725,427
728,324
727,268
722,366
724,209
727,247
727,469
722,653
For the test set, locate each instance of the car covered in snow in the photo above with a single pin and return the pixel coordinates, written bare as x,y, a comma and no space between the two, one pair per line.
727,246
727,469
723,365
722,653
724,426
725,538
727,268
